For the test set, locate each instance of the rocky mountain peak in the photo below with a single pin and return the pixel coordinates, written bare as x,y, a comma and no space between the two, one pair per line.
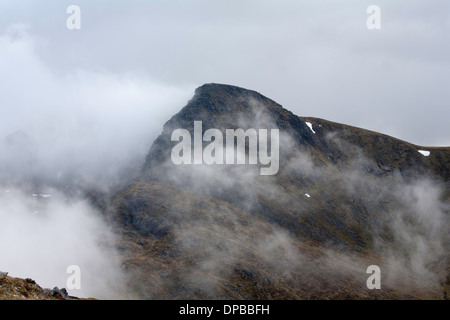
344,198
224,107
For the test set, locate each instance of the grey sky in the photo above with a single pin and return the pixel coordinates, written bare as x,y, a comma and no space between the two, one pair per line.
139,61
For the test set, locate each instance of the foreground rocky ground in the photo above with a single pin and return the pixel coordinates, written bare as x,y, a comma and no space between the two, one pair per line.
12,288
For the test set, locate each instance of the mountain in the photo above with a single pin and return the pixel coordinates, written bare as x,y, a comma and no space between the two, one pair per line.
304,225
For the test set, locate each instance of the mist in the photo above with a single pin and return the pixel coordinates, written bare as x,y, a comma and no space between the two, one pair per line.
61,135
253,227
83,126
41,235
79,113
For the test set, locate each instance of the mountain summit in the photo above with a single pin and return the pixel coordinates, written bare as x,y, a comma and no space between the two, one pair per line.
224,107
343,199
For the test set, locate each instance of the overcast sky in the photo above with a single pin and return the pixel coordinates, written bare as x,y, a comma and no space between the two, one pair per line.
135,63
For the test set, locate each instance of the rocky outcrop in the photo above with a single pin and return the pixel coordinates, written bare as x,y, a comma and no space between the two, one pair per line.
12,288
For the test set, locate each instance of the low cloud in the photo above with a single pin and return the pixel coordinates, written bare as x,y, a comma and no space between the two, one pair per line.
82,126
41,235
61,134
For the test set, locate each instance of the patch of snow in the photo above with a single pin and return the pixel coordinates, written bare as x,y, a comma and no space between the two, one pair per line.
425,153
307,195
309,124
42,195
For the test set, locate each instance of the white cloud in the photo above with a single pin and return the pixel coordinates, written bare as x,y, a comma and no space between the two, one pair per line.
40,238
315,59
85,122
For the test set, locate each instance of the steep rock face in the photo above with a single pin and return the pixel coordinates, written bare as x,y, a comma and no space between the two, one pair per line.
228,107
342,199
224,106
319,160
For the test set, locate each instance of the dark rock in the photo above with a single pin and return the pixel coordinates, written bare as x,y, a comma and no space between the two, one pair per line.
29,280
59,293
